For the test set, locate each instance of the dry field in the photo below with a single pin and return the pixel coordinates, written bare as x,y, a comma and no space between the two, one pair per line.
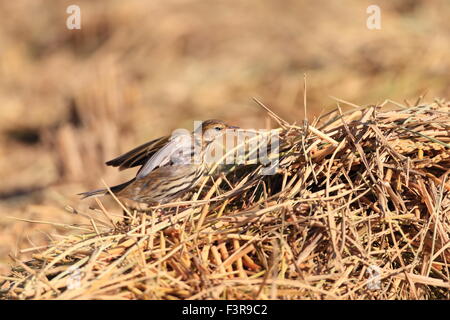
72,99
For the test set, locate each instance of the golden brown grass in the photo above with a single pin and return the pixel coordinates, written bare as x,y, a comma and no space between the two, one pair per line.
355,192
72,99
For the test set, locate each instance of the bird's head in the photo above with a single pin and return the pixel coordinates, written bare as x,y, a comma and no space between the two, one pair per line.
211,129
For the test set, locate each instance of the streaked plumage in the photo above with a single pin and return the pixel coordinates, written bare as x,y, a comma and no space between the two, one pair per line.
169,166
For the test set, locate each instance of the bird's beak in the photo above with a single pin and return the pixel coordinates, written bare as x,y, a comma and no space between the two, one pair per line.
233,127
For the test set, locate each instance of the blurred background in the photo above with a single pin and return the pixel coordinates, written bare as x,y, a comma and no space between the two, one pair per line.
71,99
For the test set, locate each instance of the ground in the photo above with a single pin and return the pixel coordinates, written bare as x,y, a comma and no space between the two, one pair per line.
71,99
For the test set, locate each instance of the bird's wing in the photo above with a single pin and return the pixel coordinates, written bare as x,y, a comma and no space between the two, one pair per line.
178,147
139,155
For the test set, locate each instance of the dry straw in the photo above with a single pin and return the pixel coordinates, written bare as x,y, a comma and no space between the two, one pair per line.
359,209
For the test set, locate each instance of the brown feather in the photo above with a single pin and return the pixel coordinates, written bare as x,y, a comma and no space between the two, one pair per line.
139,155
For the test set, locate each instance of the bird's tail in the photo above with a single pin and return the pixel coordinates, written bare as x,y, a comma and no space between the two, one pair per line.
102,192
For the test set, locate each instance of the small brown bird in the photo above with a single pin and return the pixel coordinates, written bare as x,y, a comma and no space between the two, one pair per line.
170,165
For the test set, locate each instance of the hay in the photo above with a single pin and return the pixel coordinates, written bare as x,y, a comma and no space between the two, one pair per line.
359,209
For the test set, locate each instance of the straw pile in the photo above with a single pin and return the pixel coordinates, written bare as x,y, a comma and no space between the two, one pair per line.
359,209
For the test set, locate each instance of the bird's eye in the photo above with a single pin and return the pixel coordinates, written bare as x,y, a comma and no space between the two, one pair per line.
218,128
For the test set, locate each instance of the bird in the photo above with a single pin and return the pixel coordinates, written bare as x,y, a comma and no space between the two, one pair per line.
169,166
